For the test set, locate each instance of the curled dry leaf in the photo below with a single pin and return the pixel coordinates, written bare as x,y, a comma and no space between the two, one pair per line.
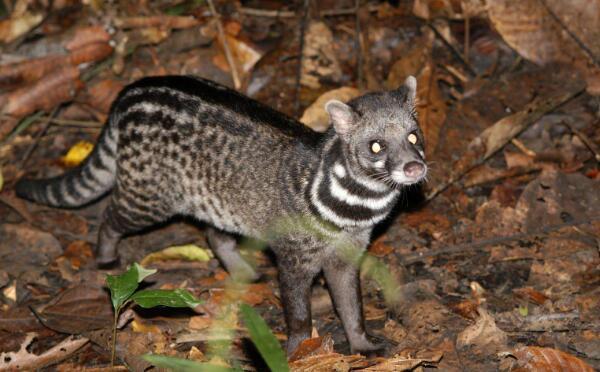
484,335
315,115
87,35
530,28
45,94
542,359
42,68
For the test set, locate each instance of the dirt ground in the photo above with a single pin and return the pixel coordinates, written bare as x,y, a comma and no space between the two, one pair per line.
494,262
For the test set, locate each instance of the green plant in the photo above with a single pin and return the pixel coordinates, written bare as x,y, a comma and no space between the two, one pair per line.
264,340
123,290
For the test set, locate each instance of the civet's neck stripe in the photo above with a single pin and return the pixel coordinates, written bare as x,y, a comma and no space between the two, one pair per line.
340,197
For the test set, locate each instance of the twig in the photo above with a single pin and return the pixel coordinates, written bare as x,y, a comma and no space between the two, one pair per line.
494,138
300,58
524,149
497,240
267,13
453,49
64,122
579,43
20,126
586,140
38,137
342,12
230,60
290,14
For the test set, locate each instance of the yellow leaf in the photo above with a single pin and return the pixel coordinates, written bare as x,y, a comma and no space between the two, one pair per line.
1,180
188,252
77,153
144,328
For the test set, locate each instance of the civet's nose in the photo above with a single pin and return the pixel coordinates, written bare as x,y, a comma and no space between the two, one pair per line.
414,169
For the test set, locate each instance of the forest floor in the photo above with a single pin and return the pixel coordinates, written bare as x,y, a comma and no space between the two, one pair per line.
494,262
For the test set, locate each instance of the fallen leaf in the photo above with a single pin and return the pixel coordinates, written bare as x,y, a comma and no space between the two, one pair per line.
313,346
189,252
141,327
51,90
315,115
319,59
17,26
484,335
200,322
78,309
531,294
532,358
77,153
530,28
379,248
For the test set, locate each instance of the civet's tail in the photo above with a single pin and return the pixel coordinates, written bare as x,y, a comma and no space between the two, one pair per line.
93,178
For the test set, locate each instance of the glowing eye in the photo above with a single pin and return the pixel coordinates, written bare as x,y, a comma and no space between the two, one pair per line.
375,147
412,138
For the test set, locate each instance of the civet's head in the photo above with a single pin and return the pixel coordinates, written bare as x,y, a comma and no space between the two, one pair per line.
381,135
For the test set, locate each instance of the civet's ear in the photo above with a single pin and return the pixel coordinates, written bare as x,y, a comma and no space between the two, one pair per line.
410,85
341,115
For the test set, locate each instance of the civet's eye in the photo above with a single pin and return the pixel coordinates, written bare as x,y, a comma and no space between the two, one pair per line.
376,147
412,138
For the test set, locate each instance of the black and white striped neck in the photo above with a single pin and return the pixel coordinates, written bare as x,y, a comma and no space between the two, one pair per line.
345,199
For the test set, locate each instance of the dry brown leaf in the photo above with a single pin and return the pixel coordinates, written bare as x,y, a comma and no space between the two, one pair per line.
313,346
80,308
379,249
315,115
53,89
142,327
466,309
531,295
484,335
319,59
529,28
101,94
542,359
400,363
200,322
87,35
326,363
18,25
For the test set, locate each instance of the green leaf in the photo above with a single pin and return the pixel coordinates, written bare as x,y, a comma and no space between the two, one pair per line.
184,365
188,252
124,285
264,340
161,297
523,310
1,180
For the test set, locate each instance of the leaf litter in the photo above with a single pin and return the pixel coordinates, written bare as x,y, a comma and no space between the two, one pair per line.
496,270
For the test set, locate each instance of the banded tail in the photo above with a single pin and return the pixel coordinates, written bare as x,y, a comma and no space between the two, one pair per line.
92,179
